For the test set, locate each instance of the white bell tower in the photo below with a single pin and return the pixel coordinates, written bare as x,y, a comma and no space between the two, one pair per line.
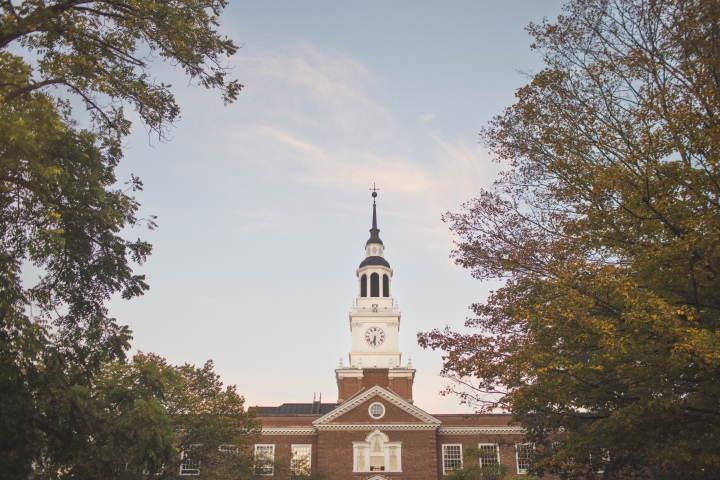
375,320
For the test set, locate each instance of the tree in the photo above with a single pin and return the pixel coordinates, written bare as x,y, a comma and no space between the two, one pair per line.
140,415
473,468
102,51
60,208
214,428
605,227
291,468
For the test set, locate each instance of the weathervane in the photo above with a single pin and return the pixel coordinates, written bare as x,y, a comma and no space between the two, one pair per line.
374,192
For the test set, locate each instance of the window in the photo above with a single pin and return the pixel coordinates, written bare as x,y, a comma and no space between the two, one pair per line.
489,454
363,286
301,458
386,286
452,457
374,285
599,458
189,464
393,459
377,454
160,471
360,458
523,456
264,456
377,410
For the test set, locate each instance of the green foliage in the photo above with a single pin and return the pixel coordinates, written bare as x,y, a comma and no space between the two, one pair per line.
292,468
137,418
605,226
62,215
57,212
102,51
473,468
212,424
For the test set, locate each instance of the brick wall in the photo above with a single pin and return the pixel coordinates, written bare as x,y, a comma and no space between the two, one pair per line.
360,415
349,386
283,444
418,454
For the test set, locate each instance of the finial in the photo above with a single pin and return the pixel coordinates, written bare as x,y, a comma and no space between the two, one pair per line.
341,364
374,231
409,362
374,192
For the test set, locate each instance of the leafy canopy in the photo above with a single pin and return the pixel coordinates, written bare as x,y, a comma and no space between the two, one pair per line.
102,50
139,415
605,226
63,215
478,464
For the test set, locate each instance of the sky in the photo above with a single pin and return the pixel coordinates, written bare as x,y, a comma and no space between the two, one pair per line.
264,205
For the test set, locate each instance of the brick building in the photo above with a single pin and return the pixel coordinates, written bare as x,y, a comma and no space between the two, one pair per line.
375,431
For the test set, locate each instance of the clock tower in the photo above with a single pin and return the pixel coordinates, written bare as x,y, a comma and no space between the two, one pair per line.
375,358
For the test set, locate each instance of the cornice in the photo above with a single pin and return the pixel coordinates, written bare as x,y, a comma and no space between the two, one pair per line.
385,395
381,427
513,430
289,431
509,430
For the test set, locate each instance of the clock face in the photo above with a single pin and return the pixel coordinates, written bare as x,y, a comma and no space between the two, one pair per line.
374,336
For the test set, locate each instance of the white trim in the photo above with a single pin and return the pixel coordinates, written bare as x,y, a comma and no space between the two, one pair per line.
480,430
443,454
309,455
385,395
366,453
517,458
289,431
271,458
398,426
497,450
376,432
371,413
183,453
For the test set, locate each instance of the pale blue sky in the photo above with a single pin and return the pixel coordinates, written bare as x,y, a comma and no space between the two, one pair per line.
264,206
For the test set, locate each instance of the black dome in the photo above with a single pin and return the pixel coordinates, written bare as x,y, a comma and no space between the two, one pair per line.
374,260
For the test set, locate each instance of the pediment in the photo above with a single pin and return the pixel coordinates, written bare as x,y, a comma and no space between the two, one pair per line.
398,411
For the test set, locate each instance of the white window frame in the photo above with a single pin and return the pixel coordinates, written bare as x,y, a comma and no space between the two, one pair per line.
188,471
270,457
386,450
374,404
522,471
605,459
497,450
444,445
309,455
159,472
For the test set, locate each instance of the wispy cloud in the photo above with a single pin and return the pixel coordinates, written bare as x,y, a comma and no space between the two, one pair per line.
312,118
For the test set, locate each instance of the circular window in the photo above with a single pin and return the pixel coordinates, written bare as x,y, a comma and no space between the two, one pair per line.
377,410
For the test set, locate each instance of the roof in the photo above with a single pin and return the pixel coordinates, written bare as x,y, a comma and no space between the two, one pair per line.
374,231
374,260
424,419
298,409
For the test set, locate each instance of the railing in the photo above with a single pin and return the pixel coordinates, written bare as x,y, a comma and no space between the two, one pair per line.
378,310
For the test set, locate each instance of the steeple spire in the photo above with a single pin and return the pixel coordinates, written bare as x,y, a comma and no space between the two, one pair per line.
374,231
